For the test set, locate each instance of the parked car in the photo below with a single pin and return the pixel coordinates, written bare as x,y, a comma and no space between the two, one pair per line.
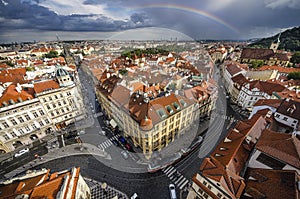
122,140
125,154
81,132
128,147
134,196
22,152
172,191
115,142
102,132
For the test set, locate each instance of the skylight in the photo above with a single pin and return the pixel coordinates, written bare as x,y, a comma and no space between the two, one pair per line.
161,112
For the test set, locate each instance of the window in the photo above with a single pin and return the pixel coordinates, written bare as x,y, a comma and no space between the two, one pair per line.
27,128
204,183
55,96
5,125
33,126
48,107
42,112
62,110
13,134
59,104
61,95
219,195
35,114
53,105
13,121
209,187
27,117
200,191
5,137
64,101
47,121
21,131
41,123
20,119
285,118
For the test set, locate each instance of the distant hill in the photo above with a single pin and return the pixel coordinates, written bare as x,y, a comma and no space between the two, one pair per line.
289,40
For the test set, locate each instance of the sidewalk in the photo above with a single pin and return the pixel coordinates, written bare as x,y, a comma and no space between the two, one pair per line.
69,150
97,190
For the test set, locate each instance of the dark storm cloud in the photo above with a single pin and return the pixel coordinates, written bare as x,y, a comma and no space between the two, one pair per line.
26,14
252,18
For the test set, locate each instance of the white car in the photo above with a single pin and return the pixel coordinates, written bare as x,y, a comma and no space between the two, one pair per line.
134,196
21,152
124,155
172,191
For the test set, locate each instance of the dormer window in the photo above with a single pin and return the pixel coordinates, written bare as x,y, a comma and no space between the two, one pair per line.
169,109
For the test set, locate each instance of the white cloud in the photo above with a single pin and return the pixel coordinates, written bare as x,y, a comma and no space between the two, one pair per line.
282,4
68,7
218,4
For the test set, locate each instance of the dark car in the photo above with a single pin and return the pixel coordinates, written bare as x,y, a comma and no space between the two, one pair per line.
128,147
122,140
115,142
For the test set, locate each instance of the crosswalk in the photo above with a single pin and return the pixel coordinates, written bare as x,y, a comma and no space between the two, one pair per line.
107,143
176,177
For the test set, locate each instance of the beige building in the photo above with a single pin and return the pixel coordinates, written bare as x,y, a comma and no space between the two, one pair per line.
30,111
152,123
23,119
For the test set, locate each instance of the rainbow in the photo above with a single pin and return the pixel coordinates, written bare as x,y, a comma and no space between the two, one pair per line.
191,10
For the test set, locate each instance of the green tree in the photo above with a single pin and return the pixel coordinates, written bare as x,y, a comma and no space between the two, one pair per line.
296,58
256,64
51,54
295,75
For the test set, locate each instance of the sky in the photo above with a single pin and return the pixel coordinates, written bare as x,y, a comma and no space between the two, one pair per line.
42,20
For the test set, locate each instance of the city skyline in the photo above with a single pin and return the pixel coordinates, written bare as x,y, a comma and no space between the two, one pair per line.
29,20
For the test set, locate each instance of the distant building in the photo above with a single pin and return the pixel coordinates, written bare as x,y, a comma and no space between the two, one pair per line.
67,184
267,56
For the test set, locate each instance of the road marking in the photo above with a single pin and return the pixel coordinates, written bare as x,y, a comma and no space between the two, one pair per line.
168,168
179,179
181,187
173,171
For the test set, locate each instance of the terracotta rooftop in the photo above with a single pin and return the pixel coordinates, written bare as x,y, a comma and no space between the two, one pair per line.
44,185
233,69
275,103
43,86
266,87
11,95
231,182
280,69
275,184
13,75
281,146
262,54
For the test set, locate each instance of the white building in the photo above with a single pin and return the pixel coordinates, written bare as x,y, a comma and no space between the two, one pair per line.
288,113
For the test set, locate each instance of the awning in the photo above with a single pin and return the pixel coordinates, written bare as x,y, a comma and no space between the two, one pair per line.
113,123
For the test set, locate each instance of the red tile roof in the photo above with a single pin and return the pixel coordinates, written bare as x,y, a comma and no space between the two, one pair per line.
281,146
13,75
275,103
12,94
280,69
45,86
275,184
